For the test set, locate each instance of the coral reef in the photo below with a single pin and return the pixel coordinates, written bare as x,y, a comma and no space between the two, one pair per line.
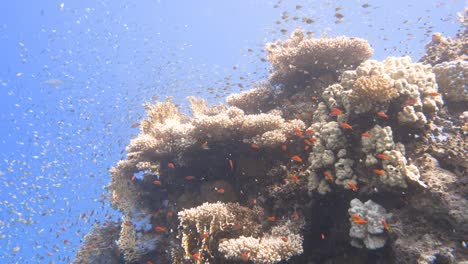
277,174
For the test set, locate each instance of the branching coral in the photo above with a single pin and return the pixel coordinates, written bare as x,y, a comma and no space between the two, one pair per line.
304,56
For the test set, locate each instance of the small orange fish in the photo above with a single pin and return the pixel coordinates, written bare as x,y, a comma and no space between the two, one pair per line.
285,239
220,190
295,216
314,140
298,132
133,177
379,172
157,182
322,236
365,134
204,235
135,125
296,158
196,256
306,147
189,178
310,131
245,256
205,146
149,262
386,225
271,218
335,111
295,178
161,229
328,175
307,141
170,214
352,186
383,156
346,126
65,242
128,223
434,94
254,146
231,164
358,219
314,98
284,147
170,165
382,114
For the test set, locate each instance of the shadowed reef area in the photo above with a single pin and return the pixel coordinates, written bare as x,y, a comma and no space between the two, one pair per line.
335,158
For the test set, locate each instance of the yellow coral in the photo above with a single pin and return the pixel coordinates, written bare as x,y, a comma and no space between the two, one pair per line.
368,91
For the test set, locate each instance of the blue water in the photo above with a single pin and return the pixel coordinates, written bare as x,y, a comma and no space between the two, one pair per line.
74,76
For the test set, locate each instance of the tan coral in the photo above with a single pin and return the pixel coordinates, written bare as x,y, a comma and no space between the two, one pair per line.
252,101
371,91
452,78
128,242
301,56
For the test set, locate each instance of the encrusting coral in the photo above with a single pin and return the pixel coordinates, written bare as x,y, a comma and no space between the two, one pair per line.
271,176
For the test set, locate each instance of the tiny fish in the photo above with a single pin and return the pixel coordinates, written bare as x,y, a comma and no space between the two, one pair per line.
284,147
271,218
149,262
161,229
410,101
157,182
379,172
135,125
310,131
383,156
205,146
352,186
434,94
335,111
220,190
322,236
328,175
296,158
365,134
196,256
254,146
204,235
314,98
386,225
307,141
189,178
285,239
295,216
382,114
346,126
170,165
298,132
295,178
231,164
245,256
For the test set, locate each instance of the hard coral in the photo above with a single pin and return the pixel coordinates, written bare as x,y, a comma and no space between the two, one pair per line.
452,78
371,91
299,56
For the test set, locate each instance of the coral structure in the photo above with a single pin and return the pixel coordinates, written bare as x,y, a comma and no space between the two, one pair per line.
370,232
269,177
299,56
452,78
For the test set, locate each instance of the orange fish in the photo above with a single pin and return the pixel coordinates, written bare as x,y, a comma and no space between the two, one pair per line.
360,222
271,218
296,158
157,182
379,172
149,262
65,242
314,140
231,164
284,147
346,126
135,125
352,186
170,165
298,132
254,146
383,156
161,229
245,256
307,141
205,146
306,147
295,178
434,94
386,225
314,98
204,235
127,223
322,236
220,190
170,214
196,256
367,135
328,175
285,239
382,114
189,178
310,131
133,177
295,216
335,111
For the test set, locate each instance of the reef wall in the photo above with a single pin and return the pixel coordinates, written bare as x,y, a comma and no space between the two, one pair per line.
335,159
